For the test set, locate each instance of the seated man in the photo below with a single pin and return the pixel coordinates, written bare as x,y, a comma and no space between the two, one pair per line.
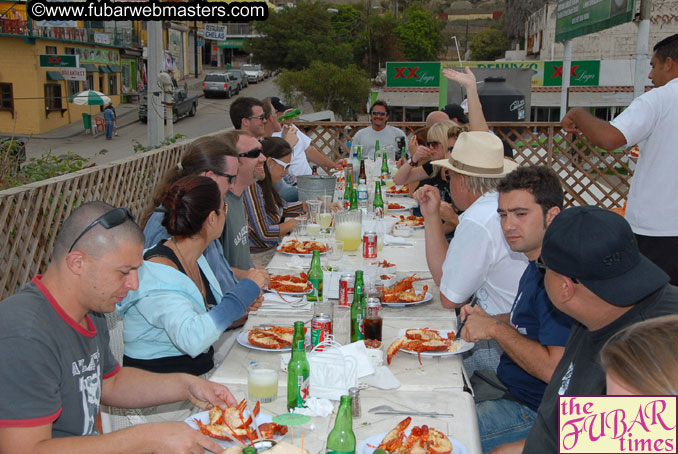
595,274
54,336
534,333
378,130
478,261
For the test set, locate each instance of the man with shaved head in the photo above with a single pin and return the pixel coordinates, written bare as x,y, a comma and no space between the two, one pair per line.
54,348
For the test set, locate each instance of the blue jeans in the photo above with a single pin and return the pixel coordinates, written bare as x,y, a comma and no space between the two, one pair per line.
503,421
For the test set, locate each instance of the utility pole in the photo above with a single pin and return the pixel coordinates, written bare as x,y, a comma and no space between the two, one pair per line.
567,67
153,90
195,42
640,74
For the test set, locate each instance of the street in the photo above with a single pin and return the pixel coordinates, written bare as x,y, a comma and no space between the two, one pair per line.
212,116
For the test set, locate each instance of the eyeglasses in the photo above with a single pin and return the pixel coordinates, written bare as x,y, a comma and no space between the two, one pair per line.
541,266
108,220
261,117
433,144
284,165
379,114
225,175
253,153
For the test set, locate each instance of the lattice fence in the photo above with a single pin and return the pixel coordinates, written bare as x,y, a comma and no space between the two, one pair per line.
31,215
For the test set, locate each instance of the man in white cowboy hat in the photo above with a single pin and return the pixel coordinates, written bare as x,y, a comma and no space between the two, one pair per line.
478,262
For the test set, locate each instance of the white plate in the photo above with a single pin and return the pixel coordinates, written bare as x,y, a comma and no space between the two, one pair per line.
463,347
245,342
399,210
204,417
290,293
457,446
412,226
277,249
426,299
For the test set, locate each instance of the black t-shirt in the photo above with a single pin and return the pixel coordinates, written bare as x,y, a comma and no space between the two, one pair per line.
437,182
579,371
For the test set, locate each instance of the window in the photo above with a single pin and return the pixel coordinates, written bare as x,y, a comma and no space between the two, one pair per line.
69,50
90,82
94,24
50,50
101,83
6,98
73,87
112,84
53,97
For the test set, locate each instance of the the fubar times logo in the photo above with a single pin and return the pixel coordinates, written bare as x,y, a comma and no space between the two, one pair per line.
617,424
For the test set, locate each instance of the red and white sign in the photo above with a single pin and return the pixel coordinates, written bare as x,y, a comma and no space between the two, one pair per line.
74,73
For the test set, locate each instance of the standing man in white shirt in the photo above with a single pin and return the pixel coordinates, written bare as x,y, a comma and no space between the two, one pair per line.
379,130
651,122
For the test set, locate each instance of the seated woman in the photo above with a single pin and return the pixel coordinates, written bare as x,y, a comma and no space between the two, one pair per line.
177,313
641,359
265,208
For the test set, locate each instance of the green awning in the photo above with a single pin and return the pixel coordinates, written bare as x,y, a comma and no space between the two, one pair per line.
114,68
90,67
104,69
54,75
233,43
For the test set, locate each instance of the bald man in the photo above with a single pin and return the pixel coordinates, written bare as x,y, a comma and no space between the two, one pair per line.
435,117
57,364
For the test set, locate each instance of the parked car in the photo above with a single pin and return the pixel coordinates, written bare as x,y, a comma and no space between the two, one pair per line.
220,84
254,73
184,104
241,76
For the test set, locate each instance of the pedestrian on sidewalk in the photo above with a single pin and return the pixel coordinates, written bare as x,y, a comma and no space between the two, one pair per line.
109,116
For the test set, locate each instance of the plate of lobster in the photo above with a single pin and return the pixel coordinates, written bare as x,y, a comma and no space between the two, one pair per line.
404,294
416,222
268,338
427,342
401,441
235,423
399,191
304,248
290,285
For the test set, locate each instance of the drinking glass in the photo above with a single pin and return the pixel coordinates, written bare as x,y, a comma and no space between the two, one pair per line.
337,250
325,216
313,226
262,383
300,230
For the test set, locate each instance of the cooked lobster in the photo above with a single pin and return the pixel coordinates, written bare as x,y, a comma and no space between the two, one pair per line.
231,424
403,292
422,440
302,247
274,337
421,340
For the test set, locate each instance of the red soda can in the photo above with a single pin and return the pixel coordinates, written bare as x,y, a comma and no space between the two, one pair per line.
370,245
321,327
346,284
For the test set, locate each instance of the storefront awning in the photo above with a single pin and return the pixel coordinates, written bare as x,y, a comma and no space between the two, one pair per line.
232,43
54,75
90,67
114,68
104,69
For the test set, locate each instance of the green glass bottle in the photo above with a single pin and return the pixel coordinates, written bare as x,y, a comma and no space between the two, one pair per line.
289,115
249,450
376,151
358,308
341,439
348,191
384,166
315,277
378,200
298,371
354,200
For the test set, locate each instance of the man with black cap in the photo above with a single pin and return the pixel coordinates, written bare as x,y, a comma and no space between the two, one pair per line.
456,114
303,153
594,273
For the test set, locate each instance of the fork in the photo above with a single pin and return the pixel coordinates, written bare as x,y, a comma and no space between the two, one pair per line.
387,410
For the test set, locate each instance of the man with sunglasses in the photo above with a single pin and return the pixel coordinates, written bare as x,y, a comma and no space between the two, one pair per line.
57,364
533,335
594,273
235,239
379,130
649,122
248,114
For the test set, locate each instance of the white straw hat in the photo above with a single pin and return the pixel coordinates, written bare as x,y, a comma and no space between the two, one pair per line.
478,154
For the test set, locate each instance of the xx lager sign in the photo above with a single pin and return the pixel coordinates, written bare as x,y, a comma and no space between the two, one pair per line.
582,73
58,61
413,74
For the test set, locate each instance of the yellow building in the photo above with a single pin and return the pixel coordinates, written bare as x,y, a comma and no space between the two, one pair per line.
34,99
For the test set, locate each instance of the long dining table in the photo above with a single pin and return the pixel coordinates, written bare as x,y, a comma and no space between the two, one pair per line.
435,385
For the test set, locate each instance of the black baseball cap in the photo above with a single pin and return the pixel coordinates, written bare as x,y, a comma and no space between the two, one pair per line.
598,248
278,105
455,111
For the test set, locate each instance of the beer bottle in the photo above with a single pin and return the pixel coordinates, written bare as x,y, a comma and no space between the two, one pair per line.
249,450
341,439
376,151
362,175
289,115
384,166
298,371
315,276
378,200
354,200
348,191
358,308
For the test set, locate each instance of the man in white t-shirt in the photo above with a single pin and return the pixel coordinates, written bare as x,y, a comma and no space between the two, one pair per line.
379,130
478,262
651,122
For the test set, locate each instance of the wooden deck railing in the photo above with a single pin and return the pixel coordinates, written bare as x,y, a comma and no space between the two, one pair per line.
30,215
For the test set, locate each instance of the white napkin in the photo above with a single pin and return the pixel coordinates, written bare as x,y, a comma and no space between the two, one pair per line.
298,263
316,407
391,240
382,378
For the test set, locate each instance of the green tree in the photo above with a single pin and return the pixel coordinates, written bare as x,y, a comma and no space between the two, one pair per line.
489,44
378,42
420,34
342,89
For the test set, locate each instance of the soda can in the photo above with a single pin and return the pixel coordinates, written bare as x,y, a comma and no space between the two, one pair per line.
370,245
346,283
321,327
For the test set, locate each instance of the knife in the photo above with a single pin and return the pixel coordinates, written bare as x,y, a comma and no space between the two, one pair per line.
412,413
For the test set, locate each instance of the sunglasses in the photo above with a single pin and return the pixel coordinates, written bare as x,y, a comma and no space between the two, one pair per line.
225,175
261,117
108,220
284,165
541,266
379,114
254,153
432,144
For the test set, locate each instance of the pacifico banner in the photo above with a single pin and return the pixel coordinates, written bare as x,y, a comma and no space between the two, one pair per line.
582,17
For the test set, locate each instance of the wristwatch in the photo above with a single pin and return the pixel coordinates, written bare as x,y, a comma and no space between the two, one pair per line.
412,163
